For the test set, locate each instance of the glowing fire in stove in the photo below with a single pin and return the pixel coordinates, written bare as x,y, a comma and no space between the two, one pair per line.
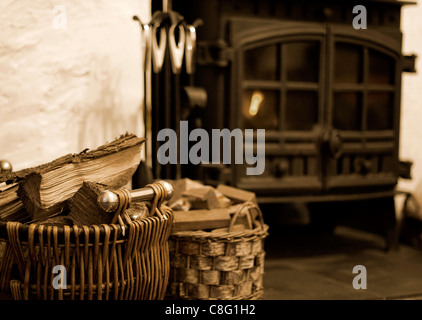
256,101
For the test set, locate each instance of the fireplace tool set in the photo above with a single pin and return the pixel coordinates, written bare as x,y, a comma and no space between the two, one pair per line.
170,47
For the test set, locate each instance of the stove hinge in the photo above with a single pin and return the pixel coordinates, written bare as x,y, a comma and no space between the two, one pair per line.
214,53
408,63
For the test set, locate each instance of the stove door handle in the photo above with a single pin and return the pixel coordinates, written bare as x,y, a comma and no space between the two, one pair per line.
332,143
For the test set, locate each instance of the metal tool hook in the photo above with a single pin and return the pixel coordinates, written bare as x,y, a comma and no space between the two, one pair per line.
177,50
158,49
190,48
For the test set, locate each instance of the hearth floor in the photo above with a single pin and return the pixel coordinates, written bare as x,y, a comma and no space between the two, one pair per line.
300,265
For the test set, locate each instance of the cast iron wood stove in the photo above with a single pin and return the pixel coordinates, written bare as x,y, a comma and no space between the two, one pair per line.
327,94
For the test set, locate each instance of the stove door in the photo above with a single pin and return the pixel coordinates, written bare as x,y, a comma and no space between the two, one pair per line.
329,101
360,139
279,86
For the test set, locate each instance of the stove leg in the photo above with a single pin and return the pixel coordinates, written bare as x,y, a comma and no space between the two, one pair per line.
389,223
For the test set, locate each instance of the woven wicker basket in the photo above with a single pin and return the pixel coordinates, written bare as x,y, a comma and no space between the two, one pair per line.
101,262
227,265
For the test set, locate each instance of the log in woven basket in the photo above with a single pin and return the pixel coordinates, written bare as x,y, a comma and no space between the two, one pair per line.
227,265
101,261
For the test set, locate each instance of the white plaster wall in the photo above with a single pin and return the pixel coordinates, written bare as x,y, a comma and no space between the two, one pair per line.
411,120
64,90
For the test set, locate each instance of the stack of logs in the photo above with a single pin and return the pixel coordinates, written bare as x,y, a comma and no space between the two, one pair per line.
200,207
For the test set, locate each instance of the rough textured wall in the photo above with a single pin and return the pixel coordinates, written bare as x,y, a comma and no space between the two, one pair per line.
411,120
66,89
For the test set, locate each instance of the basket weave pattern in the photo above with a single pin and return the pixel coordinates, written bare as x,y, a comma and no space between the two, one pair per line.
227,265
100,262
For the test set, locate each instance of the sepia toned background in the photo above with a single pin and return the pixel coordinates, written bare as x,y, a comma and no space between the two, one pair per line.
64,90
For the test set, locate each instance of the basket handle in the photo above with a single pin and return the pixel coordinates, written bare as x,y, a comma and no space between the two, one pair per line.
249,206
162,192
118,201
109,201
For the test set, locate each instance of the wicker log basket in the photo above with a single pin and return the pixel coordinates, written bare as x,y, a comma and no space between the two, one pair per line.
115,262
224,266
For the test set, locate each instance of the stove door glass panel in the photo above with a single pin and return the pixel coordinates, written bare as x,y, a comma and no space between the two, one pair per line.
348,63
260,109
302,61
381,68
262,63
301,110
347,110
380,111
